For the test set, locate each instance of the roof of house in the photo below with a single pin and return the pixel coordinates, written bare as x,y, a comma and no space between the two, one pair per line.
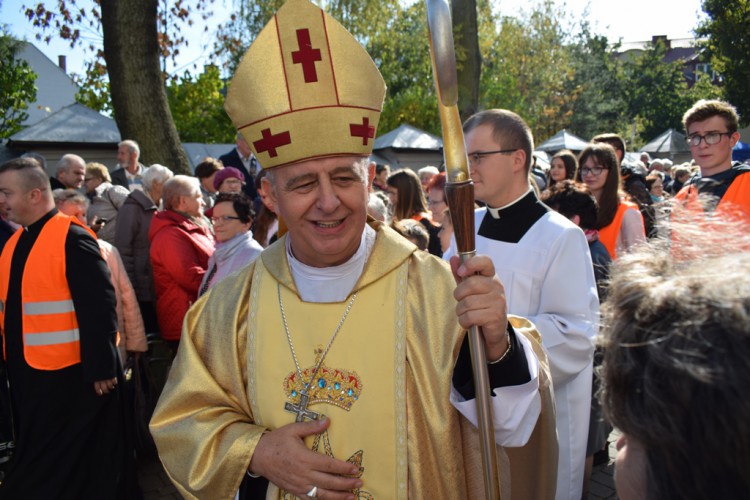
72,124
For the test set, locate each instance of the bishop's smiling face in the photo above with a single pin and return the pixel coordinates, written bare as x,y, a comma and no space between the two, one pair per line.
324,205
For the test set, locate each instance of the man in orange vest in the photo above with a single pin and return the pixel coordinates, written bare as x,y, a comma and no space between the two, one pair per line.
57,313
711,128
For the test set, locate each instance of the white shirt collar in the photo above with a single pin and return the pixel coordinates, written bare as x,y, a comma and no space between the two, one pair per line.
335,283
495,212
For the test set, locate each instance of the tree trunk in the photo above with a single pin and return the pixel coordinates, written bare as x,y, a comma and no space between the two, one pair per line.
139,98
465,29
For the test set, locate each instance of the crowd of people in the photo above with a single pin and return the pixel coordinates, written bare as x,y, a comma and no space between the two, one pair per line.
316,306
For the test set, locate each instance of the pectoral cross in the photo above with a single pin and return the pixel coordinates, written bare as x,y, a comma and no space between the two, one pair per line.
301,408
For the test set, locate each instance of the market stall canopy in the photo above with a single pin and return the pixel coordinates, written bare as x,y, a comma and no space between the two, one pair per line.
670,141
562,140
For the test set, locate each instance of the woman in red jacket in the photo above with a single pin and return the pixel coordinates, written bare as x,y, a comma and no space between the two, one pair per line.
180,247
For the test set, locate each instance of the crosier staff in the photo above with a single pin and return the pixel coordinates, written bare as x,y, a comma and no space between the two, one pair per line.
459,193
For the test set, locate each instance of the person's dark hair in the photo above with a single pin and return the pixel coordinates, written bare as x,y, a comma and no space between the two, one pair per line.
614,140
508,130
705,109
379,167
573,198
604,156
412,231
410,200
32,175
207,167
676,339
437,182
653,177
241,204
570,162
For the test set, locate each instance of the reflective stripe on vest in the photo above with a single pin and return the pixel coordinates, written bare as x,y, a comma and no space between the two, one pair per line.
49,307
51,339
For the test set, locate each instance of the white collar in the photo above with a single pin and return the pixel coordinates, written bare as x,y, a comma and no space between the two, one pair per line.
335,283
495,212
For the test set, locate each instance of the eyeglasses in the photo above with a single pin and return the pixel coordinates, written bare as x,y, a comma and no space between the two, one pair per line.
87,179
434,202
476,156
223,219
595,171
711,138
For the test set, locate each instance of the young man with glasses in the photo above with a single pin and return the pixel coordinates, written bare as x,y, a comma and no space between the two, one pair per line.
543,261
711,128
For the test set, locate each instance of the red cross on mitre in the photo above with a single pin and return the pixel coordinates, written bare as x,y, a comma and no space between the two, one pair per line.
363,130
270,142
306,56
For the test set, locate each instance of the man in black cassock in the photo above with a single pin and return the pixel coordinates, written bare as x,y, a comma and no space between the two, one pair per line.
67,421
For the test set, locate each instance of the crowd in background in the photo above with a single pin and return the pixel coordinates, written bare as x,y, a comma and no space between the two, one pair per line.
168,238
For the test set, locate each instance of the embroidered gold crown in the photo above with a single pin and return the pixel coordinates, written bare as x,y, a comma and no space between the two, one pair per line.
331,385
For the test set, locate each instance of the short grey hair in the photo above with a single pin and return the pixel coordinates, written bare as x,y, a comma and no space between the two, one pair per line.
155,173
69,196
132,146
179,185
67,161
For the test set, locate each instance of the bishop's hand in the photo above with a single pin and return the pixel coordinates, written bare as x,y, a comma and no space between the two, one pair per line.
282,457
481,302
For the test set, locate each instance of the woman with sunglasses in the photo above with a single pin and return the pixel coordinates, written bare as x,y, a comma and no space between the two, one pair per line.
620,223
232,217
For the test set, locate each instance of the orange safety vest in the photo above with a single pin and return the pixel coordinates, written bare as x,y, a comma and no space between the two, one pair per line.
734,205
608,234
50,326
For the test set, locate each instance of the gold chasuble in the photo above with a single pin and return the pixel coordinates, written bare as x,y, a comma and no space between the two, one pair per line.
384,383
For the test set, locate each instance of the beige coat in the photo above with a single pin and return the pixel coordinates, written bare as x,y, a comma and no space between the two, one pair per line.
129,321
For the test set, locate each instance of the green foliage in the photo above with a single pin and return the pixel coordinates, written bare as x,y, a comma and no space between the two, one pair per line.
597,88
728,45
526,68
655,91
17,81
93,87
197,106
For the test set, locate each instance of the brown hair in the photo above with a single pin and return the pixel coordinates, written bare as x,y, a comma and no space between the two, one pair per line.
508,130
570,162
410,200
604,156
704,109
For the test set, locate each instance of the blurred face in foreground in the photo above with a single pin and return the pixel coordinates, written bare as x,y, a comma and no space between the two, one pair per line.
324,205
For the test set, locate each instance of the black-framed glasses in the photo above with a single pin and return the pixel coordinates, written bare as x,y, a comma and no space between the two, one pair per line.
711,138
434,202
476,156
596,170
223,219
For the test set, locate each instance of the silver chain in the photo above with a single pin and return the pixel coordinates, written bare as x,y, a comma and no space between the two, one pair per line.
330,342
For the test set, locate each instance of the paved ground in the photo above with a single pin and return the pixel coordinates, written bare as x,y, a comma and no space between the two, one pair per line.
156,485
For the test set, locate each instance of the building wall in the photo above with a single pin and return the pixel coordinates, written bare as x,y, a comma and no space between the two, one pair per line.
55,89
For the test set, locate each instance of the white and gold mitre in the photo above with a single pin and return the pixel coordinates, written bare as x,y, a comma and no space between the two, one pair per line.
305,89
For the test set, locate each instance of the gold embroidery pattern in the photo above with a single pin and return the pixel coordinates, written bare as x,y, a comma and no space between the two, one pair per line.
356,459
338,387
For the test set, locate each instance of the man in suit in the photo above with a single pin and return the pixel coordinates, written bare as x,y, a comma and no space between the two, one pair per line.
131,170
242,158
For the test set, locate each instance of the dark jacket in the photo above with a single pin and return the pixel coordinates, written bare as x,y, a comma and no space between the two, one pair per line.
131,240
119,178
232,159
179,255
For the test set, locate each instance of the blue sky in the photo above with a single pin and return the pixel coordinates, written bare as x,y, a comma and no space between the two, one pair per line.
635,20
